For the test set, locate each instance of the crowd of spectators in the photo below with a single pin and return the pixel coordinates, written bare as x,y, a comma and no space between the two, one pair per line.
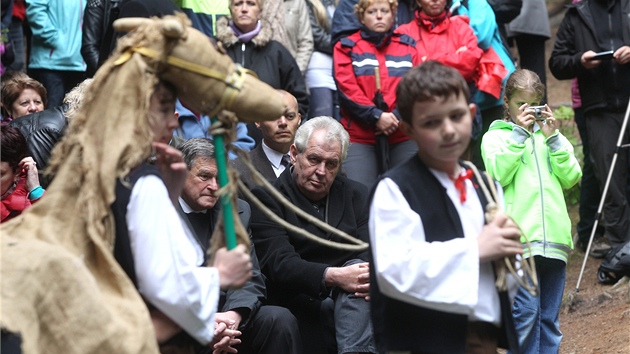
337,64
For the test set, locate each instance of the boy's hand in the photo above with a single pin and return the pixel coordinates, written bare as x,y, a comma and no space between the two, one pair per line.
171,164
235,267
500,238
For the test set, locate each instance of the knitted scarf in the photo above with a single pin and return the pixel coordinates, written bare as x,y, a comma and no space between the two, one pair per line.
247,36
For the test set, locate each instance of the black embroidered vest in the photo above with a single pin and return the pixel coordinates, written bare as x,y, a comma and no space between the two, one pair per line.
402,326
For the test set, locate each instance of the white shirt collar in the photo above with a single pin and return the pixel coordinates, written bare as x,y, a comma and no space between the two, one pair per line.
187,209
273,156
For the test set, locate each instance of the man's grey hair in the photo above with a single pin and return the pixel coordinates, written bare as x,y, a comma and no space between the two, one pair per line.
197,147
334,132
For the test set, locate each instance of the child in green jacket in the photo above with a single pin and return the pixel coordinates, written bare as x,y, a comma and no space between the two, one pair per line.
533,162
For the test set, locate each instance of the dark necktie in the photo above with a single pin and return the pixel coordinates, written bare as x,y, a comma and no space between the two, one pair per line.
286,161
460,184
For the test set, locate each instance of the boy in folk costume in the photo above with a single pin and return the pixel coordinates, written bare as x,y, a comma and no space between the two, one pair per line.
433,278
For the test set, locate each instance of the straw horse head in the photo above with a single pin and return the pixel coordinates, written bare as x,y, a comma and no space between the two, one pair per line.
77,298
187,58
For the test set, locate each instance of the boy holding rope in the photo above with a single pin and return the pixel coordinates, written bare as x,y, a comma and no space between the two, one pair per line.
432,279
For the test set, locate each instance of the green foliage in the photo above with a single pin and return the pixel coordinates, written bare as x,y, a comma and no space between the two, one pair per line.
565,115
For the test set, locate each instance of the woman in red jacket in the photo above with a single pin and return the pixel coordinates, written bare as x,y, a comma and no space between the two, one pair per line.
367,68
447,39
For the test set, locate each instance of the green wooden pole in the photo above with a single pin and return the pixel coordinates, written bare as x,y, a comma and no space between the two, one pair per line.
226,201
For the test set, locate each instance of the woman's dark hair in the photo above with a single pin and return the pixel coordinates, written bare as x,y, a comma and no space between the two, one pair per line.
13,145
12,89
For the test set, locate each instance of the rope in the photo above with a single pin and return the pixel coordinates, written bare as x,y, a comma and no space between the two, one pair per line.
224,127
528,278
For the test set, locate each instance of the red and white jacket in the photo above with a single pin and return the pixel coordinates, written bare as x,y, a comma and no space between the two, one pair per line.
355,58
451,41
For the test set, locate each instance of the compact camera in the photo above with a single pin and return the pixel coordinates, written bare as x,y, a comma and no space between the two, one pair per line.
538,112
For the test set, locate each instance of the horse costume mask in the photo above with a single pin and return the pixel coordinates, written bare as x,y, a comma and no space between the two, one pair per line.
62,289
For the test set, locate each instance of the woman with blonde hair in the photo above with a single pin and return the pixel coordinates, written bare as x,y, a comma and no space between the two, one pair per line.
368,66
247,39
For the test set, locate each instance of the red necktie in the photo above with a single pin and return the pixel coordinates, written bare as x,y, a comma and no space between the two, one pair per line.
460,184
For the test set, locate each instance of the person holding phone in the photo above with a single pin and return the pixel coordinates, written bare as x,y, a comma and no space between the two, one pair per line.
588,28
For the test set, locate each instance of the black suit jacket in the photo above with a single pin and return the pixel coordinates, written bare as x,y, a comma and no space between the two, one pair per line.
260,162
293,265
248,299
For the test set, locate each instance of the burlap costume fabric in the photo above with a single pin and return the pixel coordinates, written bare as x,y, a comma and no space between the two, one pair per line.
62,290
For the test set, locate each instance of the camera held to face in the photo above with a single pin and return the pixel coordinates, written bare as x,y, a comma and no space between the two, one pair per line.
538,112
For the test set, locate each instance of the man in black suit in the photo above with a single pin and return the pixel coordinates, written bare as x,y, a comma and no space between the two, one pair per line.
311,280
271,157
242,322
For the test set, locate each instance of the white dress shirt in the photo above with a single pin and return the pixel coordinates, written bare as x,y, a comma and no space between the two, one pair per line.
443,276
275,158
167,261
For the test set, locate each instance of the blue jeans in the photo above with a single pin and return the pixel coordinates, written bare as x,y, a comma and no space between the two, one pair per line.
57,83
16,36
351,318
536,318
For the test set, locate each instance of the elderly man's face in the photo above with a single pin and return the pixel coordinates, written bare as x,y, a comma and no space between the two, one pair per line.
201,185
315,169
279,134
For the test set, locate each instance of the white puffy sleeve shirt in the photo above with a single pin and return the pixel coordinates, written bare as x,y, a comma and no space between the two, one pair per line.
168,261
443,276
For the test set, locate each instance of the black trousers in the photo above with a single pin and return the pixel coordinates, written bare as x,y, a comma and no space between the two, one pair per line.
531,53
603,127
590,193
273,330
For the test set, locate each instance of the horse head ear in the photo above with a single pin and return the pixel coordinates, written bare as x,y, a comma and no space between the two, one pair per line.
172,28
130,23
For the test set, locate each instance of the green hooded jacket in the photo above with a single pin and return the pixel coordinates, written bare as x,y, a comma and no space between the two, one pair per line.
533,170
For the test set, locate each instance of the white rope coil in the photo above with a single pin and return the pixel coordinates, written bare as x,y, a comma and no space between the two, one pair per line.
528,278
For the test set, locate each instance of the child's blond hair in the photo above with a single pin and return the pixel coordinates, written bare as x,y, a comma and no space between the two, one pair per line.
522,80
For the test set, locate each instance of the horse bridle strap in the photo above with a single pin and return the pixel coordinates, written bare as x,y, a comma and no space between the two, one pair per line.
234,80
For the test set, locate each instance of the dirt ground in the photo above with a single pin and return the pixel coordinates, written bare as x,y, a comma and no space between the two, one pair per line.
600,320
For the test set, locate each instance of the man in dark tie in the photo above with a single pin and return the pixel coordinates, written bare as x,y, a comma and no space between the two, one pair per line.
271,157
242,322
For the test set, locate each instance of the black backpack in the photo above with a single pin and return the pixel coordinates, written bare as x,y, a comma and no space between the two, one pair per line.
615,265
